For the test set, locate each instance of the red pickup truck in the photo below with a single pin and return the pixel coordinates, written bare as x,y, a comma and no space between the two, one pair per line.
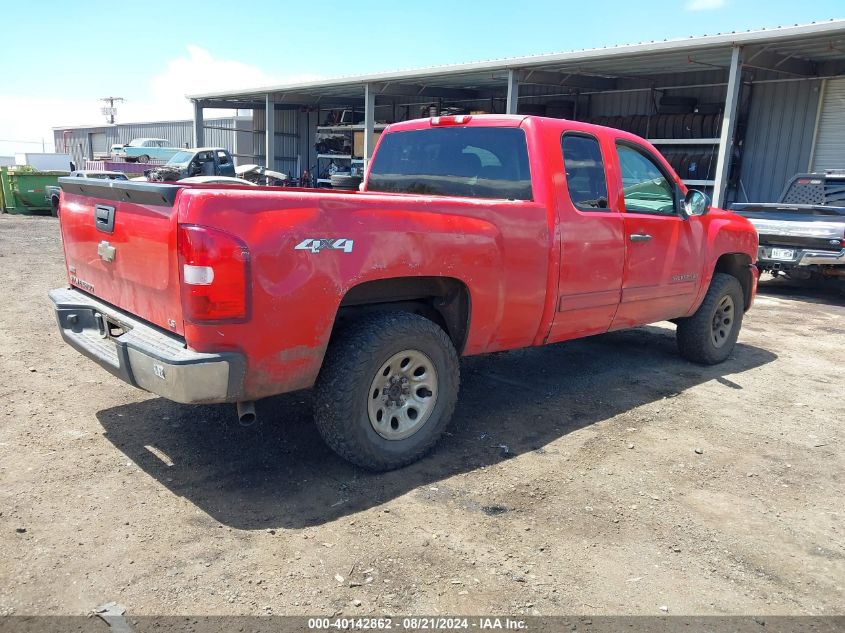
471,234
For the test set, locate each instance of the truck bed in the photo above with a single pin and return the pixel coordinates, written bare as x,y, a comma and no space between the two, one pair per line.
801,225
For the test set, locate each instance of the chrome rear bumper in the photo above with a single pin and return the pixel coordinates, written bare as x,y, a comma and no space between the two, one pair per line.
145,356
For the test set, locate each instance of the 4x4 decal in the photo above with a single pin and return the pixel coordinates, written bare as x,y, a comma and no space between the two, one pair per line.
315,245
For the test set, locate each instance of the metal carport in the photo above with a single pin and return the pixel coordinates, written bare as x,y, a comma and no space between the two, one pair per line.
722,64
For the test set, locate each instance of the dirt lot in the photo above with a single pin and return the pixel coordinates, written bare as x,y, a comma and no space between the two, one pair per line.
570,482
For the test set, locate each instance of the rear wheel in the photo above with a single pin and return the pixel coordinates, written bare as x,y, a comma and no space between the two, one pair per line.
144,159
54,206
387,390
709,336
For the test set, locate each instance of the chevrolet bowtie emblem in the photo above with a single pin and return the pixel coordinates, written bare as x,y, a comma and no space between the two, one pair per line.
106,251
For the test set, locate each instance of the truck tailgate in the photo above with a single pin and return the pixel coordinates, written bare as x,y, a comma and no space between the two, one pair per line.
120,246
807,226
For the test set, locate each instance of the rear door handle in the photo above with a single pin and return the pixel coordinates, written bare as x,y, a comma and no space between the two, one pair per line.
640,237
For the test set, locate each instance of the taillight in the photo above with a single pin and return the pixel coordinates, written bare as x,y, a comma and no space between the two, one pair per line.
214,269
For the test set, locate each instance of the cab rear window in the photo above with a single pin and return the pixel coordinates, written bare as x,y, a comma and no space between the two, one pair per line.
470,162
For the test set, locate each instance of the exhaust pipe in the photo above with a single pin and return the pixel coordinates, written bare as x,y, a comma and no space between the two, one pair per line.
246,413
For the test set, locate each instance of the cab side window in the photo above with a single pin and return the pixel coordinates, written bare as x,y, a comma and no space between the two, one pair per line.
644,185
585,177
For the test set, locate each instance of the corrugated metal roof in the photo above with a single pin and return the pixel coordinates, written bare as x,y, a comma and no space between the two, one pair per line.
96,127
818,41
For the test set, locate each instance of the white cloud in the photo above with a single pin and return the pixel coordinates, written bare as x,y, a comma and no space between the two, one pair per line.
28,120
32,118
705,5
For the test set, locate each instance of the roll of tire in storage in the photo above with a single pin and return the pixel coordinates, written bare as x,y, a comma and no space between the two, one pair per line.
639,125
663,129
678,125
674,158
688,126
697,126
345,181
700,166
676,104
683,166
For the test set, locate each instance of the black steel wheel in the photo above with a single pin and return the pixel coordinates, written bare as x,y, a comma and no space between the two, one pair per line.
709,336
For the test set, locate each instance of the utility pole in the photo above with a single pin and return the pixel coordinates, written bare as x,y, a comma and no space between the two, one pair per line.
110,110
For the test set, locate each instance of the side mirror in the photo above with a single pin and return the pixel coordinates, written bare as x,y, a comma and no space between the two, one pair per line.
696,203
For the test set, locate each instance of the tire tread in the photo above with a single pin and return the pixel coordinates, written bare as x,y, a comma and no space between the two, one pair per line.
345,371
693,333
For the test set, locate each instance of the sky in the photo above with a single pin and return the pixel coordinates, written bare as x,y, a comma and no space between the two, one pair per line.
67,55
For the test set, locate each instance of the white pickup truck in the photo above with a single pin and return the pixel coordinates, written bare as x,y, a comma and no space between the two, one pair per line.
802,235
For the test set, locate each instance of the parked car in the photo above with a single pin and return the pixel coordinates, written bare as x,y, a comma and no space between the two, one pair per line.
202,161
142,150
802,235
471,234
52,192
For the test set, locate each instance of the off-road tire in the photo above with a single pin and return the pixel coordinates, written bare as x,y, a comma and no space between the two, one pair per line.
695,334
342,390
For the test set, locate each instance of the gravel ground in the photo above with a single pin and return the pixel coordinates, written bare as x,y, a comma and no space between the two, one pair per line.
604,476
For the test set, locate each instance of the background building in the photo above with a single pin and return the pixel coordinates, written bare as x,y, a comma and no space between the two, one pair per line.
84,142
736,113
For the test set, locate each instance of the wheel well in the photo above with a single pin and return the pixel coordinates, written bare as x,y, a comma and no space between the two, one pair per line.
736,264
444,300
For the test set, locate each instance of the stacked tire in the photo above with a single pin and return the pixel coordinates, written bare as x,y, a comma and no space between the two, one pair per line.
345,181
665,126
692,165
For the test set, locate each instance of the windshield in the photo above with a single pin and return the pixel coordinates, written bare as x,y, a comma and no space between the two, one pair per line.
181,158
477,162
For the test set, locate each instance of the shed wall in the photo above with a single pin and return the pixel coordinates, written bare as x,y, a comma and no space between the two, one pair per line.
79,142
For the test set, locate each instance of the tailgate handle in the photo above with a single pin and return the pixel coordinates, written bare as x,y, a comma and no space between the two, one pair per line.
104,218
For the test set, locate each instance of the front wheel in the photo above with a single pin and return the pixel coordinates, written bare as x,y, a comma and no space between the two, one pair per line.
387,390
709,336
